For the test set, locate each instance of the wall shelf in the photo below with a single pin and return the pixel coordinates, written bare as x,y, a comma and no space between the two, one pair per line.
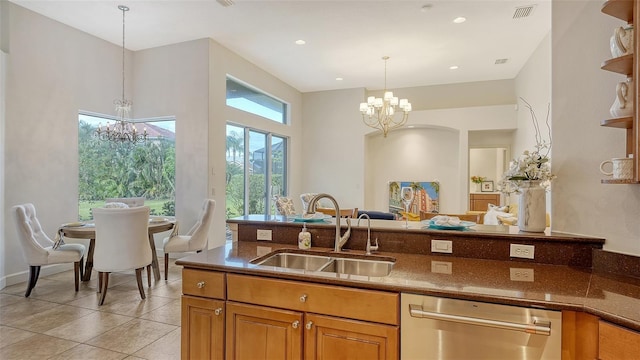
621,65
621,9
621,123
612,181
627,65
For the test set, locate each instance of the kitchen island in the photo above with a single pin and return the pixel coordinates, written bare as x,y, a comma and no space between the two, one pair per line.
582,294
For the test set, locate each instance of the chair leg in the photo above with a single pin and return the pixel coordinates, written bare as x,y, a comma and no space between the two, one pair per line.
76,274
99,282
105,284
82,267
139,278
34,272
149,275
166,265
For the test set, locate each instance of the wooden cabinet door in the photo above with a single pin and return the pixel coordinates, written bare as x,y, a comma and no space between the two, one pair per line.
202,328
328,338
258,333
617,343
480,202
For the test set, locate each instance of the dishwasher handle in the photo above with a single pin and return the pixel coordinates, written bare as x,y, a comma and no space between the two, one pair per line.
539,327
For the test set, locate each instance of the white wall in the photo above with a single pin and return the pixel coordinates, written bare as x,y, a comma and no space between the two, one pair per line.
483,162
173,80
52,72
333,146
533,84
581,97
4,47
419,154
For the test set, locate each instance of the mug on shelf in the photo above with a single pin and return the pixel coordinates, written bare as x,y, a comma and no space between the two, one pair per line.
622,41
622,168
623,104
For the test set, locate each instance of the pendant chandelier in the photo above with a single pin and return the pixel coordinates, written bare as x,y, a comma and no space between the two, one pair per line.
380,113
123,130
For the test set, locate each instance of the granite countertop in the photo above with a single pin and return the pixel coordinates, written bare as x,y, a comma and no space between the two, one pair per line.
477,231
558,287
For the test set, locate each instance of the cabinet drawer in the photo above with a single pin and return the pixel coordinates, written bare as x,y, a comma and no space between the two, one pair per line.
203,283
368,305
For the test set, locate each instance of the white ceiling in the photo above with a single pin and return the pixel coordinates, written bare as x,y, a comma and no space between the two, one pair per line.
343,38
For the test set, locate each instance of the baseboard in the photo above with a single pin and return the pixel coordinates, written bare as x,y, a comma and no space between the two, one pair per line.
23,276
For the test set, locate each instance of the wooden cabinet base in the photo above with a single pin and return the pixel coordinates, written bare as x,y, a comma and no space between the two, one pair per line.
617,343
333,338
202,334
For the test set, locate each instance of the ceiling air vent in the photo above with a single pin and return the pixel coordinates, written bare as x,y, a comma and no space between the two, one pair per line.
501,61
523,11
225,3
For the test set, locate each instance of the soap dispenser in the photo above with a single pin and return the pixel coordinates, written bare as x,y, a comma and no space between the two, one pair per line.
304,238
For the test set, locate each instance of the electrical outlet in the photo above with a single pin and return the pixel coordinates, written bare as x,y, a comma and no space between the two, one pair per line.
441,267
521,251
264,235
441,246
518,274
263,250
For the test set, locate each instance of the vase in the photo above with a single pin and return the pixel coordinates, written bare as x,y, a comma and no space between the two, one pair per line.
532,207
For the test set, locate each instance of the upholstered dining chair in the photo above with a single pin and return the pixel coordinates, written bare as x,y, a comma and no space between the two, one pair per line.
305,199
130,201
122,243
37,247
284,206
194,240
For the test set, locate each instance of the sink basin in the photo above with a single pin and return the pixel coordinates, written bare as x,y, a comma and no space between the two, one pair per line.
296,261
359,267
325,263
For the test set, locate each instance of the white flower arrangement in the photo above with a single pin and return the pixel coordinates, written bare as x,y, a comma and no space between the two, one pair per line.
531,165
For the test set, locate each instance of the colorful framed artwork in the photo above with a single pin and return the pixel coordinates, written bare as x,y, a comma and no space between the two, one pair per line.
426,198
487,186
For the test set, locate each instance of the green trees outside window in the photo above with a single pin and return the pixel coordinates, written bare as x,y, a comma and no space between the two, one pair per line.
111,170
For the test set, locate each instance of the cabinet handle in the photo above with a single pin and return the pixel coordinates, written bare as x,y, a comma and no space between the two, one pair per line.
295,324
217,311
303,298
309,325
200,284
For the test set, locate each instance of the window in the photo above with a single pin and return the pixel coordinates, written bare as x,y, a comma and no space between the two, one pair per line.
113,170
244,98
251,179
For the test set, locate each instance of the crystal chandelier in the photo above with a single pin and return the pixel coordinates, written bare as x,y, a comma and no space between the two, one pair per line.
380,113
123,130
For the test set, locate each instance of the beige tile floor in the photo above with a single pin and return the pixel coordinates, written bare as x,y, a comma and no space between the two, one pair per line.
57,323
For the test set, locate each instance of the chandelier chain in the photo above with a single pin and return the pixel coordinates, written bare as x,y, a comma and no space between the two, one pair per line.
124,130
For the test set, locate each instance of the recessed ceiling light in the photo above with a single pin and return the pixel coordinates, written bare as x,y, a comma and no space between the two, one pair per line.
300,42
459,19
453,67
339,79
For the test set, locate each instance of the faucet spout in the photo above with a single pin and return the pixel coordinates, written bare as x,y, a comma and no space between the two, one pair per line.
339,240
368,247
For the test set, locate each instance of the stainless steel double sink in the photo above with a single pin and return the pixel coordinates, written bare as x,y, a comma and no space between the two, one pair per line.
327,263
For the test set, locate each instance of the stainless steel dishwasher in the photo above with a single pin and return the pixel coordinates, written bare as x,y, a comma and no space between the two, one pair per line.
443,329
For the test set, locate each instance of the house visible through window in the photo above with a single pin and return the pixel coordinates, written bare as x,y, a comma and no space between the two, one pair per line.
116,170
256,170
